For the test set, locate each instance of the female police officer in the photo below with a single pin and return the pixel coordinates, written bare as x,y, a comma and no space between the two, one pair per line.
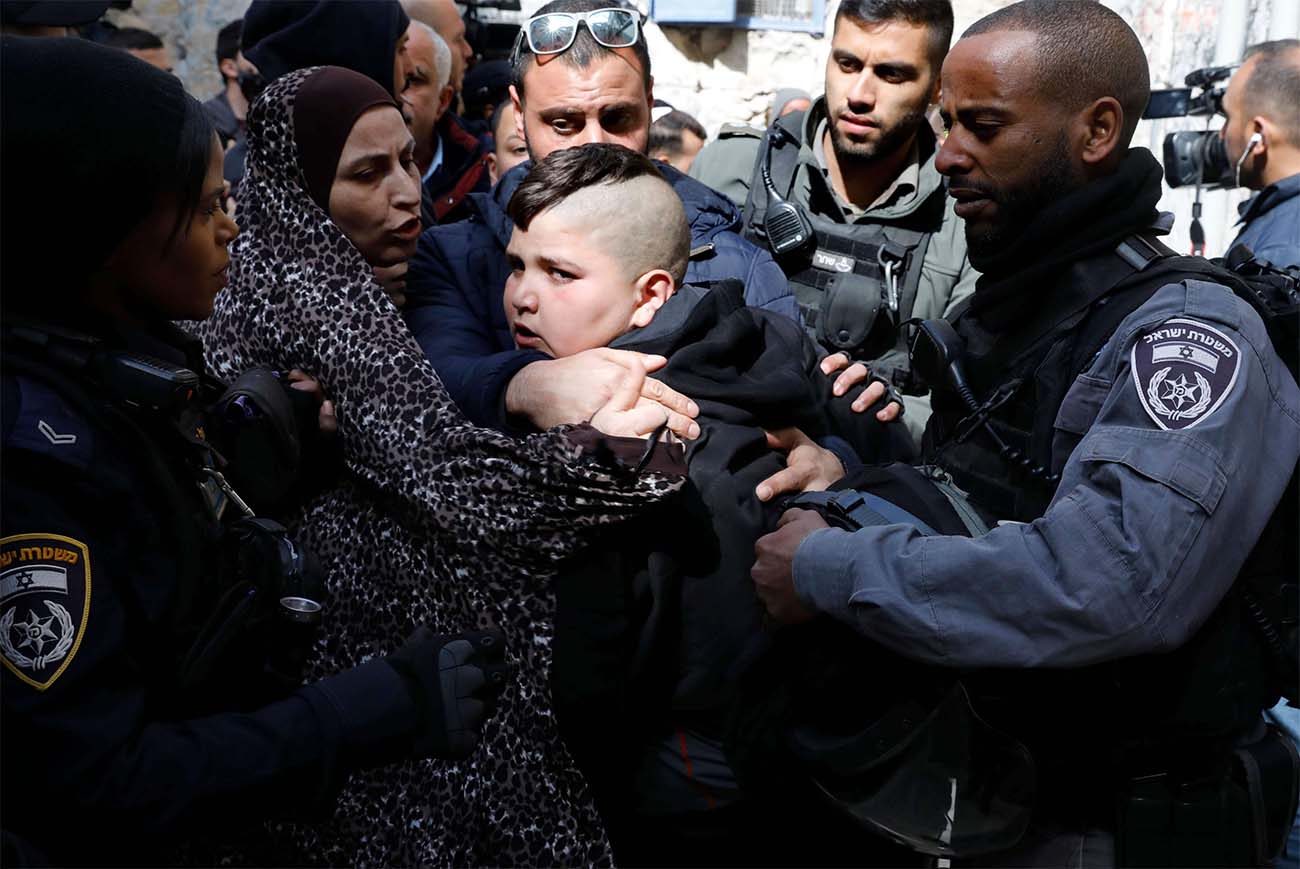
144,698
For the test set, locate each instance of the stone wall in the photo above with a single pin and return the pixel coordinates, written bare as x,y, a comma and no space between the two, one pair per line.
189,27
722,74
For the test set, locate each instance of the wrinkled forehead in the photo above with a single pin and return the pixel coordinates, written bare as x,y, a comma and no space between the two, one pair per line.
614,73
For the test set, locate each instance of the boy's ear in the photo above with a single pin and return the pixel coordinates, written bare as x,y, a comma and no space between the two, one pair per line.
652,289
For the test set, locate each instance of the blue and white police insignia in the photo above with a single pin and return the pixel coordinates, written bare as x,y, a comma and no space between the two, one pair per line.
1183,370
44,605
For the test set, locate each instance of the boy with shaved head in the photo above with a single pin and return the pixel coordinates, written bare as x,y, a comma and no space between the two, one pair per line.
590,261
654,626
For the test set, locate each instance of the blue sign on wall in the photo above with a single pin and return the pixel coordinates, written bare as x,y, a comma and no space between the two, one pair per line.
803,15
693,11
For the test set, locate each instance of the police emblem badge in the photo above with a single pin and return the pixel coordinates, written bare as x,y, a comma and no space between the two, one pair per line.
44,605
1183,370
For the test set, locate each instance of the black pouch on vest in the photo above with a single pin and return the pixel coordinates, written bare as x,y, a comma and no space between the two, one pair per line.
1238,817
855,317
259,433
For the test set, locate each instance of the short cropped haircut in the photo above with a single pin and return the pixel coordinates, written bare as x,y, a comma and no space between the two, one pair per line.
585,49
654,234
228,40
441,72
132,38
934,15
666,133
1273,89
1084,52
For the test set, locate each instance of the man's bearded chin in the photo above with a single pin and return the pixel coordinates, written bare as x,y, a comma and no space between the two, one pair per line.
848,152
1017,209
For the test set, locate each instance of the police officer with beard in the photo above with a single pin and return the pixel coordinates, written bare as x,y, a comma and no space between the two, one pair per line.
1128,431
151,627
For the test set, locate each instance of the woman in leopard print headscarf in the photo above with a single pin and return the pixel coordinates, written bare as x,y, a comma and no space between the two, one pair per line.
435,522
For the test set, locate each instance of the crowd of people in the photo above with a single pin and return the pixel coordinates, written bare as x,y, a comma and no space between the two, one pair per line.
430,458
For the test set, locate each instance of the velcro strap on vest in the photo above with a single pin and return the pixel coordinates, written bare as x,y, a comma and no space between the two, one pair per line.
837,254
861,509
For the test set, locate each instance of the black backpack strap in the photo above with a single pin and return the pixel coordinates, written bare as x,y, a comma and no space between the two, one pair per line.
1148,261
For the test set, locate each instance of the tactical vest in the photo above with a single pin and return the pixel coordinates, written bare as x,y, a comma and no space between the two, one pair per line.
1174,706
1022,379
857,281
224,637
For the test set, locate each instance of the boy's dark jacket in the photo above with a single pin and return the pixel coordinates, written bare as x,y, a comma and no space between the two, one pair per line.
659,618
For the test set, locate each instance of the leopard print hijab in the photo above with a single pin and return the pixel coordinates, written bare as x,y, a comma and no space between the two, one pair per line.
436,522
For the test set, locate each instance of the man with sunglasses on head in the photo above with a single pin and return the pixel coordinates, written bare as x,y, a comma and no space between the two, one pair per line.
884,244
581,74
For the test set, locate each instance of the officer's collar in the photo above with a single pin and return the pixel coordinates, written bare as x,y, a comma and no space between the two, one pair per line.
1082,224
161,340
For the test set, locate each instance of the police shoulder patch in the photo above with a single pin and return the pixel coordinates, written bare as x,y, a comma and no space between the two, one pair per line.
44,605
1183,370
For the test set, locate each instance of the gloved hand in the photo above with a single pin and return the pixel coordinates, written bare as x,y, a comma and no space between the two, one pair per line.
456,682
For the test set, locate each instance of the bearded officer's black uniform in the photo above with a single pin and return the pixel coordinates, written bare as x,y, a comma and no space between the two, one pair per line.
1129,437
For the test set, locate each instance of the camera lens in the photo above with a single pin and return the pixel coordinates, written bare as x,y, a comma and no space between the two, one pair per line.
1215,168
1193,156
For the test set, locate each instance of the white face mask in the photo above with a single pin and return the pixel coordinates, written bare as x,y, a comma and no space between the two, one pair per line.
1255,139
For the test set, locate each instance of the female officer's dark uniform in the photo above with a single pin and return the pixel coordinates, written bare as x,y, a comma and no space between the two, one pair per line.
149,629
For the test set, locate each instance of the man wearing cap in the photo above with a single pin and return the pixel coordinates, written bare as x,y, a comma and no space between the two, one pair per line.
486,85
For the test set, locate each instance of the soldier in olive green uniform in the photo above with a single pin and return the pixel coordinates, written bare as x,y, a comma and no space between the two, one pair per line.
882,243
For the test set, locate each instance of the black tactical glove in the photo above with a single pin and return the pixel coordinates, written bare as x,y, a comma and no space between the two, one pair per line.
456,682
892,394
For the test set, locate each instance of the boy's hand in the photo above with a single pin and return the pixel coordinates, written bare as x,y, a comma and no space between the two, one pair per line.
808,467
580,387
851,377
